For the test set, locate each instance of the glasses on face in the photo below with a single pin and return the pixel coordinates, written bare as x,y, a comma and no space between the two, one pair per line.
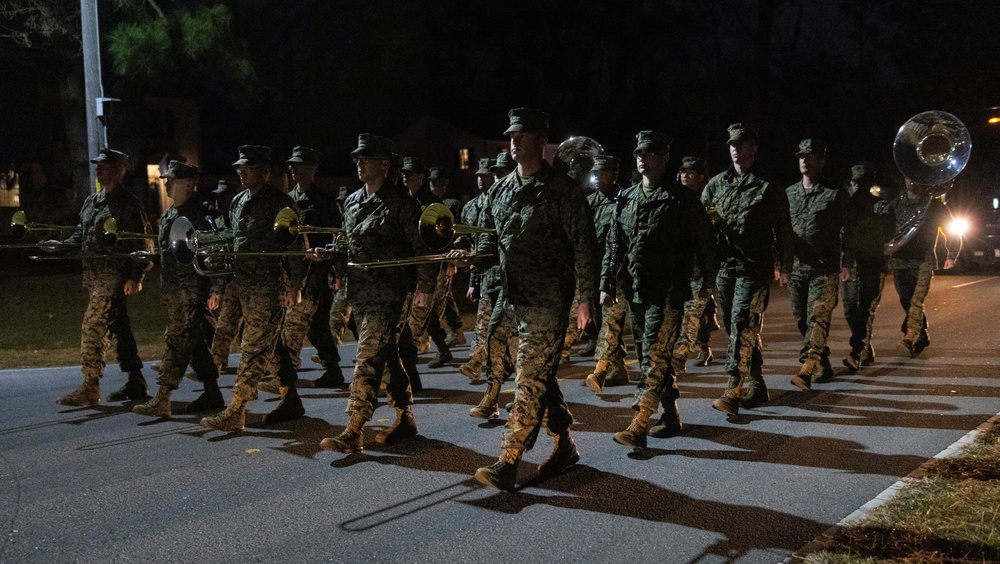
365,161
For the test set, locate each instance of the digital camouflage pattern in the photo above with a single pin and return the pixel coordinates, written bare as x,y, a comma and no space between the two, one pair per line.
656,327
378,330
229,319
865,234
610,335
861,294
743,301
813,297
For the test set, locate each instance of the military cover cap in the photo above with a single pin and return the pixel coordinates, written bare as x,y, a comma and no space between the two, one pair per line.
811,147
372,146
484,166
526,119
413,164
504,162
651,142
694,164
863,173
222,187
304,155
606,162
742,132
177,170
253,155
438,172
110,156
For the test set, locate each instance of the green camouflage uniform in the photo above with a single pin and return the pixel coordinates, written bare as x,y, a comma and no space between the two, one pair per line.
260,281
818,215
228,321
105,278
751,217
865,234
545,243
381,226
472,215
184,293
611,318
311,316
661,233
426,320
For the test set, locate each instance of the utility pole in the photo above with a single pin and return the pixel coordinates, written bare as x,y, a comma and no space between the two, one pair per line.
93,88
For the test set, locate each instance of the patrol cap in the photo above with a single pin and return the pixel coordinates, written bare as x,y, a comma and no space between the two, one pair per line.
694,164
177,170
527,119
372,146
811,147
110,156
863,172
742,132
253,155
304,155
503,162
222,187
413,164
651,142
438,172
484,166
606,162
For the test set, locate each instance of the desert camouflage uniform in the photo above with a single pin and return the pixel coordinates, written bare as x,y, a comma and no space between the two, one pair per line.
751,217
105,277
818,216
381,226
865,235
545,241
184,293
423,322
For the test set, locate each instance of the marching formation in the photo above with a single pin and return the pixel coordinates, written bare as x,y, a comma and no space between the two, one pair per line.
551,254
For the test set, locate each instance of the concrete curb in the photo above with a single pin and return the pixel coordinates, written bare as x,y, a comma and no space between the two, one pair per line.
823,540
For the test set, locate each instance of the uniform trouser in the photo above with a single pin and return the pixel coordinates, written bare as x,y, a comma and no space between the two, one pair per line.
107,316
228,323
743,300
814,296
540,333
656,327
698,314
311,317
861,294
572,331
501,344
611,337
427,319
379,329
340,316
184,335
406,349
478,350
913,285
450,314
263,316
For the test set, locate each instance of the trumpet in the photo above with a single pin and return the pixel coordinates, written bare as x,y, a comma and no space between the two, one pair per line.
19,225
111,235
287,228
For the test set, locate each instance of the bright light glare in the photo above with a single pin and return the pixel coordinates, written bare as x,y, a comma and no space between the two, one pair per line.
996,203
995,120
959,226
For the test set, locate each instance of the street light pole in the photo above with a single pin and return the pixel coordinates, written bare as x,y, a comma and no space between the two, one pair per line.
93,89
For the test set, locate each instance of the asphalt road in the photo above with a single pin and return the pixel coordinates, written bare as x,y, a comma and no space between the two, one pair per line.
106,485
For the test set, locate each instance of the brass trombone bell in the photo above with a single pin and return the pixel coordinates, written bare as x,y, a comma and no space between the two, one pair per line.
287,227
438,229
19,225
112,235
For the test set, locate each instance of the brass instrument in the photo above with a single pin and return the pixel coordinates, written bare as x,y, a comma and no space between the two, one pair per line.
287,228
930,149
141,255
437,229
19,226
111,235
578,154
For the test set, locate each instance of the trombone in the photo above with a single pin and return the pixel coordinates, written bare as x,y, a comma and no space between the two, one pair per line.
437,229
287,228
19,226
111,235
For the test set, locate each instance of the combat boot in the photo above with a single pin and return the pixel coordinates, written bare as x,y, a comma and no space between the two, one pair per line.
868,356
318,360
921,343
350,440
755,394
487,408
404,428
456,339
853,362
332,378
210,398
269,384
89,393
159,406
670,422
823,372
704,356
233,418
440,359
472,371
135,389
635,435
564,454
729,403
595,381
618,375
503,473
589,349
803,380
290,407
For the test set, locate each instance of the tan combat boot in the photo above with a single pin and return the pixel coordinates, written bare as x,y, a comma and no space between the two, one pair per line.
729,403
803,380
595,381
635,435
755,394
404,428
350,440
503,473
487,408
89,393
159,406
233,418
564,454
670,422
617,375
471,370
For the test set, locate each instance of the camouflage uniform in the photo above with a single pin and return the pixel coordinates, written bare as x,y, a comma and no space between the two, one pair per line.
472,215
818,215
545,246
423,321
610,338
229,319
751,217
